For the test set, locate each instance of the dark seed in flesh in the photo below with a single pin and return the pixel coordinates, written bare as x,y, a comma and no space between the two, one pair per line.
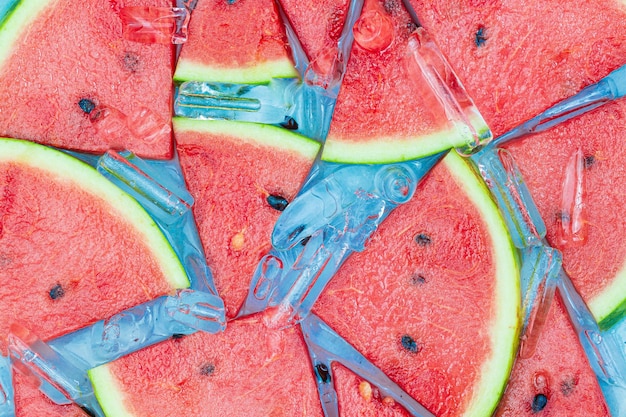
422,239
479,36
322,373
539,403
417,279
56,292
409,344
131,61
589,161
277,202
567,386
86,105
207,369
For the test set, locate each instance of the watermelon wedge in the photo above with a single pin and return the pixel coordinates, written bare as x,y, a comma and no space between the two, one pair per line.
241,176
527,59
75,249
433,300
69,79
235,42
387,109
557,380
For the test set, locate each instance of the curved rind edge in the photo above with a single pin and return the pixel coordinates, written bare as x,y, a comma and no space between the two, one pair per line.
64,167
252,132
259,73
609,306
381,150
505,330
108,392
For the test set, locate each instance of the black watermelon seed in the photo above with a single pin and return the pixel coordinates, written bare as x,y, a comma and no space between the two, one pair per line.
422,239
277,202
177,336
589,161
290,123
409,344
86,105
304,241
479,36
568,385
56,292
131,61
321,370
539,403
418,279
207,369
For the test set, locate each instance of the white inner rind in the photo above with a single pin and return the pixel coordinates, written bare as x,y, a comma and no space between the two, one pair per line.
260,73
506,312
63,168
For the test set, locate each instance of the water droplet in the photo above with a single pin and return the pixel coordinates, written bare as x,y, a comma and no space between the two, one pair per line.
374,30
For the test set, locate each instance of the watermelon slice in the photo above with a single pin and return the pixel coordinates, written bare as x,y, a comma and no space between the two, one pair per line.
556,381
235,42
433,300
69,79
241,176
388,109
75,249
503,39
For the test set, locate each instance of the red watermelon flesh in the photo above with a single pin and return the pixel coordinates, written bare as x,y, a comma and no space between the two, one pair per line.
72,51
223,48
318,25
74,250
248,370
515,67
232,169
555,372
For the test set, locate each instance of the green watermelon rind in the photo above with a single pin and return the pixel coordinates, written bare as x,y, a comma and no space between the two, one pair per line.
108,392
260,73
64,168
507,311
609,306
261,134
19,18
392,149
